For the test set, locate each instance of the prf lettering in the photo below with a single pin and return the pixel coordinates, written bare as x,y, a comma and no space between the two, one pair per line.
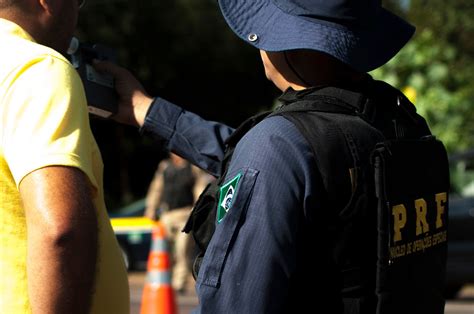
399,213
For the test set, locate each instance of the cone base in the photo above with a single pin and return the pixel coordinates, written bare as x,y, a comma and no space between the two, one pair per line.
158,300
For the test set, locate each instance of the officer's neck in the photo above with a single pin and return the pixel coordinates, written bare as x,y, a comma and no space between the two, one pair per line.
305,70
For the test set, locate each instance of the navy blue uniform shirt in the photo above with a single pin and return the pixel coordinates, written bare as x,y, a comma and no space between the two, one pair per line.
247,266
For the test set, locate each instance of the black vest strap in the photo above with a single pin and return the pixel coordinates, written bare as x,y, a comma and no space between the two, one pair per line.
244,127
327,99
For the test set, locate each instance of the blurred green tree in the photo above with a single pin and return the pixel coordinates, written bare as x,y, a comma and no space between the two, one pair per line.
436,70
437,66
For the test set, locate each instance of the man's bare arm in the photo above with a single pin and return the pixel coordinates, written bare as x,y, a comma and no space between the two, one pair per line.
62,239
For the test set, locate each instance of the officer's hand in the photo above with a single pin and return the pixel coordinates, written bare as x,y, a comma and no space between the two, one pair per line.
133,100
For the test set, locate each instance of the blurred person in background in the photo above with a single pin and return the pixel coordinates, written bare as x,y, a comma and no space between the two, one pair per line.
170,198
58,252
291,221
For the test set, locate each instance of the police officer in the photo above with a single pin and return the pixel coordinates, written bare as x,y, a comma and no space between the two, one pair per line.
170,198
294,211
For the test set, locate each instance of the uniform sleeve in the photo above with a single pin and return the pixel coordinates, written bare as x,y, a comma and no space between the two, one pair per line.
188,135
251,257
45,120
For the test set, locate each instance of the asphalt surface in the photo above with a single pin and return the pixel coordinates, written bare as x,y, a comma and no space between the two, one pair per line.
463,304
185,302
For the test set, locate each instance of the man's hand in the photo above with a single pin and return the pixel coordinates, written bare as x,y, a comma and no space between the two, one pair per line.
133,99
62,246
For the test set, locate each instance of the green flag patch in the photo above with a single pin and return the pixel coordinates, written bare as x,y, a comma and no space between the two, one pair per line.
226,195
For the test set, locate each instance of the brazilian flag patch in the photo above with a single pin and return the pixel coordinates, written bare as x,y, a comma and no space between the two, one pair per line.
226,194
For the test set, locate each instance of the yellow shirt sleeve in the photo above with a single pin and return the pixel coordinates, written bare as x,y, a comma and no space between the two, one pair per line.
46,121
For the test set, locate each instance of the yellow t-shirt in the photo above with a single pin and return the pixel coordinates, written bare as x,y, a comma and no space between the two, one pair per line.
44,121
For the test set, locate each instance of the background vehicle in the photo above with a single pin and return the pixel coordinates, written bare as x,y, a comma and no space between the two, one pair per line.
133,232
460,268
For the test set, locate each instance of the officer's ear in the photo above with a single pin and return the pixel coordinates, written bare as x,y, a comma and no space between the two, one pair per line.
50,7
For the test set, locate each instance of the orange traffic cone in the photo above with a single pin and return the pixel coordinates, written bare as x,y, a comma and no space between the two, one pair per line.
158,295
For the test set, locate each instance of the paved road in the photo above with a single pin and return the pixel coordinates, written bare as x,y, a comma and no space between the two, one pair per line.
463,304
185,302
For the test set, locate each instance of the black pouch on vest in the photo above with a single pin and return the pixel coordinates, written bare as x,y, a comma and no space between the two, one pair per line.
412,185
202,223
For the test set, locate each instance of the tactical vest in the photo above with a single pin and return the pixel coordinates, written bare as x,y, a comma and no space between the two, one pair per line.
178,186
382,204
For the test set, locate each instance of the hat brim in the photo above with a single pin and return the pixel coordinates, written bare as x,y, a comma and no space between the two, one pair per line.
265,26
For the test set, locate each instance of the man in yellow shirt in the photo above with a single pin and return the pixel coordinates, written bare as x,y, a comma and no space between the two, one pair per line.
58,252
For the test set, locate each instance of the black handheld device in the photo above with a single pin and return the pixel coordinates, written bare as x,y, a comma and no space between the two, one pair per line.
100,92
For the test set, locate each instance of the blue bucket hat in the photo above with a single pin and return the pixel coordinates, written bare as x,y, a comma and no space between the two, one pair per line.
361,34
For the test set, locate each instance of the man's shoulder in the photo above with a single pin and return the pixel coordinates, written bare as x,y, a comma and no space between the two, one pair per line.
49,58
17,44
269,129
273,137
21,55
